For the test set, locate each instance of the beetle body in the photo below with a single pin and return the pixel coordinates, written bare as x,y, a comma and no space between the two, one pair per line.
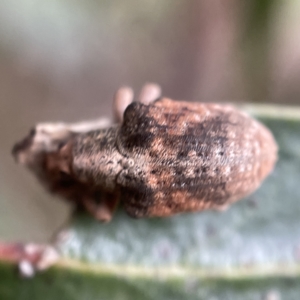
167,157
193,157
178,156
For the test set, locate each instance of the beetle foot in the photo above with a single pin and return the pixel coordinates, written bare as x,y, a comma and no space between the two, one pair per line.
124,96
104,209
149,93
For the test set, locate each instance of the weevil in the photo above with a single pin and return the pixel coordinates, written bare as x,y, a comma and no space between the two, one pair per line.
161,157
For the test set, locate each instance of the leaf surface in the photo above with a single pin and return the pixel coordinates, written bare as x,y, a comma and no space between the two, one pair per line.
250,251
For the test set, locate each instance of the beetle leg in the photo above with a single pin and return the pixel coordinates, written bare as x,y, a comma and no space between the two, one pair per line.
104,209
122,98
149,93
221,208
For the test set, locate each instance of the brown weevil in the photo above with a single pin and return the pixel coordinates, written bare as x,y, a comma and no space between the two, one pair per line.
162,157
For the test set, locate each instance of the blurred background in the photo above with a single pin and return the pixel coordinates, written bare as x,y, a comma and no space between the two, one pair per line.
62,60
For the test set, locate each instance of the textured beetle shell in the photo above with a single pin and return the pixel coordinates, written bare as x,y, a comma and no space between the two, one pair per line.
165,157
190,157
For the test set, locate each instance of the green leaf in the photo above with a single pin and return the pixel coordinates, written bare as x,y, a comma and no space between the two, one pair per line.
251,251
